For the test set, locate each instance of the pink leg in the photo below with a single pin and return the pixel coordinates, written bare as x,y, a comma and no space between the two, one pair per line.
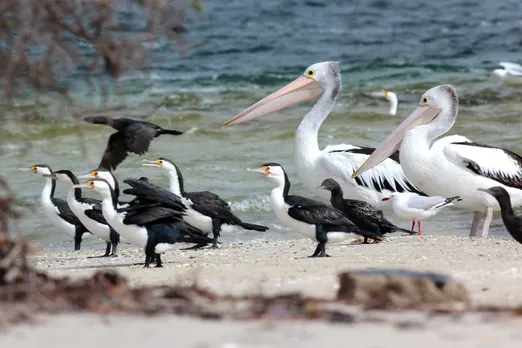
413,225
419,233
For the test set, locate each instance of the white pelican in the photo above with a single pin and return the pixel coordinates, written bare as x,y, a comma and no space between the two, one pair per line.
512,72
417,208
453,165
389,96
335,161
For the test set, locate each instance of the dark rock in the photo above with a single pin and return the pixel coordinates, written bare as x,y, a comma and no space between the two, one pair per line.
402,289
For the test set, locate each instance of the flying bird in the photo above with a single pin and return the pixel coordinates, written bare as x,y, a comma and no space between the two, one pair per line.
132,136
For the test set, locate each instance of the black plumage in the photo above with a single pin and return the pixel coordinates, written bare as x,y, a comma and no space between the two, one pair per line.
147,192
361,213
208,204
94,213
131,136
512,222
160,213
64,212
324,217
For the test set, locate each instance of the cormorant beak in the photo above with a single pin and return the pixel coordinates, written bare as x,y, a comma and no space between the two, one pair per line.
32,169
265,170
155,164
89,185
385,199
91,175
422,115
322,187
485,190
302,89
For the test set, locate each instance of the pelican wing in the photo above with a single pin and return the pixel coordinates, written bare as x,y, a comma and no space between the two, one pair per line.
495,163
512,68
340,162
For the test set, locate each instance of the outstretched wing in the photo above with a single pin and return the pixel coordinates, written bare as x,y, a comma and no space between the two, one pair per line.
115,152
138,137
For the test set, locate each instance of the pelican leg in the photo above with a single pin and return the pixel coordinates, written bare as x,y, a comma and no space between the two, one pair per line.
419,226
413,225
487,221
475,226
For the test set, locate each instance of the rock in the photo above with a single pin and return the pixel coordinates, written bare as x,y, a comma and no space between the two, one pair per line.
402,289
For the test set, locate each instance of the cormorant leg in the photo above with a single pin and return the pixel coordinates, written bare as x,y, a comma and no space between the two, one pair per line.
317,251
115,239
114,249
475,225
413,225
159,263
78,239
216,230
487,221
419,226
323,253
147,260
195,247
107,249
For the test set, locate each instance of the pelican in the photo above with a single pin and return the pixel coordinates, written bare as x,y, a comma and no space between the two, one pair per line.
452,165
512,72
389,96
314,165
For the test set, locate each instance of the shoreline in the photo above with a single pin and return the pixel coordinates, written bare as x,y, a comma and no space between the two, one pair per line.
490,268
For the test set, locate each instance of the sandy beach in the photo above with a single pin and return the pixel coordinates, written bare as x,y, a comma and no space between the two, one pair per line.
491,269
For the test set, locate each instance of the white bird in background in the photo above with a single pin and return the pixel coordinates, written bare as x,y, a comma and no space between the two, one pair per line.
511,73
417,208
452,165
314,165
389,96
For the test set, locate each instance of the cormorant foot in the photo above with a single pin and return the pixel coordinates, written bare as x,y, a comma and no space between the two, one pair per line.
195,247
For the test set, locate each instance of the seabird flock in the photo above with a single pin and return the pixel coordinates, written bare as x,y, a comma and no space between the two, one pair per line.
414,173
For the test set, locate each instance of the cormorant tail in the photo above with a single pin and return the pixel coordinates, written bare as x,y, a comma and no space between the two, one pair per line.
253,227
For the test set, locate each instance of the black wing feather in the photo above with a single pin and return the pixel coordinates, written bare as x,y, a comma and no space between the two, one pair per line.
151,215
96,215
152,193
65,212
115,152
209,204
314,212
138,136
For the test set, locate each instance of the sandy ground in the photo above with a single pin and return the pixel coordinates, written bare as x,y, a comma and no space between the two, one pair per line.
491,269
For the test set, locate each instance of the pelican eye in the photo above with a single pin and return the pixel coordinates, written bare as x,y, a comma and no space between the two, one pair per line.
424,100
310,73
159,161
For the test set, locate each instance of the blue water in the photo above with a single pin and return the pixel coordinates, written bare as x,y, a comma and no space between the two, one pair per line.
239,51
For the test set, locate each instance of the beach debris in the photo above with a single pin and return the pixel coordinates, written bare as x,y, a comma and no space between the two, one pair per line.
402,289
